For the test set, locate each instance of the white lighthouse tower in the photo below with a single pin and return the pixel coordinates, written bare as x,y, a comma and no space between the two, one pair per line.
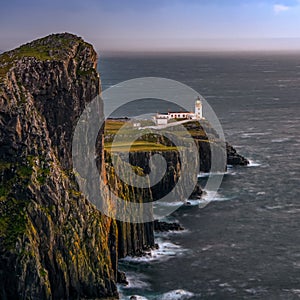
198,109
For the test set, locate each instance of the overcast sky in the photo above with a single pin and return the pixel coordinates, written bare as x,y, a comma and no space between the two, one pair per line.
189,25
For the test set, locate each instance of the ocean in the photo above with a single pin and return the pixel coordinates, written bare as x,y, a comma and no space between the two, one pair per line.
245,244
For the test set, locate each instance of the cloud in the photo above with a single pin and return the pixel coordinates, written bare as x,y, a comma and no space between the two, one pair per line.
278,8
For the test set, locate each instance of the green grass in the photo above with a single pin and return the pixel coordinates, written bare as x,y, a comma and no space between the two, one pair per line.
40,52
150,141
54,47
138,146
8,59
112,126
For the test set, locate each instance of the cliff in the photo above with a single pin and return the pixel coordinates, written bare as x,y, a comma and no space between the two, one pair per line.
149,144
53,243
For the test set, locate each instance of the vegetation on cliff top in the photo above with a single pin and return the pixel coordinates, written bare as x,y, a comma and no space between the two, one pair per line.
150,140
52,47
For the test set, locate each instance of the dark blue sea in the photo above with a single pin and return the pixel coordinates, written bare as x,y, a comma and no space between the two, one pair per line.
246,243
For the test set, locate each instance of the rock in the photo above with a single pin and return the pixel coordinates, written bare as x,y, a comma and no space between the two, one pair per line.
121,278
235,159
165,227
197,193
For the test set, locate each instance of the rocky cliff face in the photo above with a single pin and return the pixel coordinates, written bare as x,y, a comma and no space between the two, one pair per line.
172,175
132,239
53,243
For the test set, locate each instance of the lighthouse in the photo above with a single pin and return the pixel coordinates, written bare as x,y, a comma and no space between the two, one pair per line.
198,109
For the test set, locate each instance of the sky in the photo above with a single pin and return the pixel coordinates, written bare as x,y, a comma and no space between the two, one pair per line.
157,25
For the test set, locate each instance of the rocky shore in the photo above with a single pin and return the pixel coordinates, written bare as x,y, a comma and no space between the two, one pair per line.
160,226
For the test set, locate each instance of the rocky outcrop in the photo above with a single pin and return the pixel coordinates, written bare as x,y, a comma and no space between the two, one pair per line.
53,243
166,227
234,158
202,132
173,172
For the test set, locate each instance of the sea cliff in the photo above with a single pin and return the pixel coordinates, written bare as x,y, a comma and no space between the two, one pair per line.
54,243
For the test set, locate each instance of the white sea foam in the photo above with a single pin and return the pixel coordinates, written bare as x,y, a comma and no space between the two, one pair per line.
274,207
177,295
206,248
169,204
280,140
253,134
213,196
135,297
260,193
293,211
253,163
209,196
230,171
205,175
165,251
294,291
136,280
171,233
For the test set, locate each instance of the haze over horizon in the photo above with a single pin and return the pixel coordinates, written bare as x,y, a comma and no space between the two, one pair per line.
157,25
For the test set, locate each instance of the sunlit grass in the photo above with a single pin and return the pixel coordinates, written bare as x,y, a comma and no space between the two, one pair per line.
148,140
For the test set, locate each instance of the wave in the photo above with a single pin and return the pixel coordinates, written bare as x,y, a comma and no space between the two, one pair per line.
177,295
253,134
171,233
136,281
172,295
274,207
280,140
209,196
205,175
165,251
188,202
230,171
253,163
214,196
134,297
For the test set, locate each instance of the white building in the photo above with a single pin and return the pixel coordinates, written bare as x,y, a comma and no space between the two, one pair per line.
198,109
163,118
